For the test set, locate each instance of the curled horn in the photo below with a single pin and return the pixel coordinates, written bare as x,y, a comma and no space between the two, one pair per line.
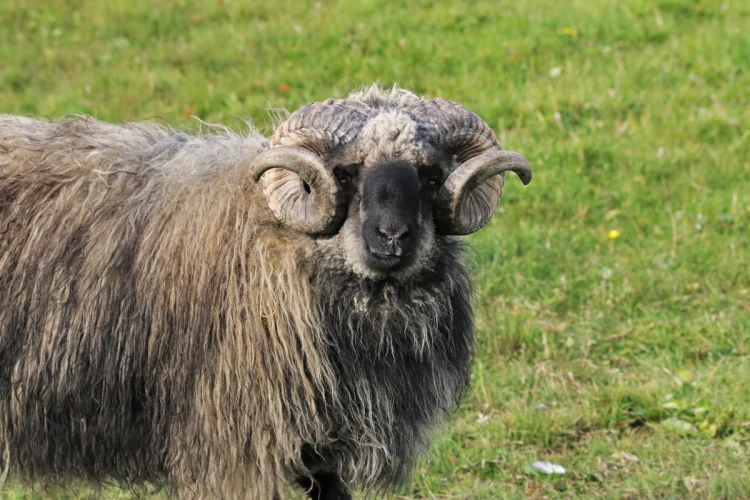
302,194
470,194
301,191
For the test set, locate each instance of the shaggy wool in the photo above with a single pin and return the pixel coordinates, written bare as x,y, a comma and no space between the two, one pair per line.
159,325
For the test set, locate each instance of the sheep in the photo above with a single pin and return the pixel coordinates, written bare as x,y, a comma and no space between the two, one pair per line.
232,316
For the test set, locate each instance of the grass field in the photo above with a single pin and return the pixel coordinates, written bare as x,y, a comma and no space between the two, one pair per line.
614,291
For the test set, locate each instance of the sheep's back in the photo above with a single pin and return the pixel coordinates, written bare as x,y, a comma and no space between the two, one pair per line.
116,247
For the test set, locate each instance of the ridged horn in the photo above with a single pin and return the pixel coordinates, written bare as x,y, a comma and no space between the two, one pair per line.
322,126
301,191
470,194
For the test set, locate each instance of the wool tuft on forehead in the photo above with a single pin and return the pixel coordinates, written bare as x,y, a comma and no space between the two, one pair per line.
379,98
389,135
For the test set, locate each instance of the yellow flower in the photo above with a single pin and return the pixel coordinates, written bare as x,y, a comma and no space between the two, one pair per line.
612,235
570,31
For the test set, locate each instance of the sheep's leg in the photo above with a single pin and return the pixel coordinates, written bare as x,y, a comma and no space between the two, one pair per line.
325,486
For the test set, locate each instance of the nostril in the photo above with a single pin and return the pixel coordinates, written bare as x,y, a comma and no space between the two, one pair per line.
393,232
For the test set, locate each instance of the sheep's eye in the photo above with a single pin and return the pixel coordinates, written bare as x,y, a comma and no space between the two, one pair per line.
430,175
343,177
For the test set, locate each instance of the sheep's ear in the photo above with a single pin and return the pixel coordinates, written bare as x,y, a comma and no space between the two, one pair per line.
300,191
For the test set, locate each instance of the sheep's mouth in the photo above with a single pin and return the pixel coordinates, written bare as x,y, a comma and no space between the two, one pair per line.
386,261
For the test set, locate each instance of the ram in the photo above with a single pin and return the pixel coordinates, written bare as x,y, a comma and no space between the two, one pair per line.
231,316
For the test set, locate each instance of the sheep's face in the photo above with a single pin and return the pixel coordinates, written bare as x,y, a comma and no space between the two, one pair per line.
389,228
374,179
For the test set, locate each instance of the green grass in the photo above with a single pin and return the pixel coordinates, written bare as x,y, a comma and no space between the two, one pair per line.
591,350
